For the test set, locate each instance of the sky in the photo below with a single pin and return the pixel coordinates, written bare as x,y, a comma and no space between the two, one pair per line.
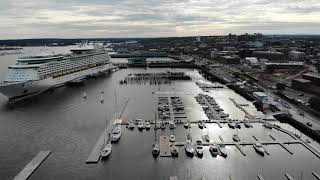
155,18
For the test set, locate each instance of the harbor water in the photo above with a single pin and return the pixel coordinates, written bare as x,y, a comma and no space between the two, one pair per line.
69,125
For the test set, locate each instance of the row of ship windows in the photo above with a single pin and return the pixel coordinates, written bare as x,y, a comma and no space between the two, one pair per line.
69,71
74,63
42,71
78,62
102,57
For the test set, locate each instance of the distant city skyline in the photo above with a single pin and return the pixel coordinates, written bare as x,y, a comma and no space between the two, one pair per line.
155,18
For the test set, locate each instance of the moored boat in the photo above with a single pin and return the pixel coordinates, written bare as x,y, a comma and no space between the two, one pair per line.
172,138
222,150
116,133
186,124
235,137
155,149
259,148
214,150
106,151
148,125
199,148
174,151
189,148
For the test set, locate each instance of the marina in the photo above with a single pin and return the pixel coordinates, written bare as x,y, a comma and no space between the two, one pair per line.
76,129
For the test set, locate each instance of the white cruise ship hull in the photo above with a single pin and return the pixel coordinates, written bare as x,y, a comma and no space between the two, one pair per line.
21,90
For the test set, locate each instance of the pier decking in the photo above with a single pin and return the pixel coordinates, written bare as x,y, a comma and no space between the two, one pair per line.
165,146
316,175
96,151
26,172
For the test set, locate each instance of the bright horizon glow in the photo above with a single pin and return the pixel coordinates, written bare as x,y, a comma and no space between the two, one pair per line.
21,19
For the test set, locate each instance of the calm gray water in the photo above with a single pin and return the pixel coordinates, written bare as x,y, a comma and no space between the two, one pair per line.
63,122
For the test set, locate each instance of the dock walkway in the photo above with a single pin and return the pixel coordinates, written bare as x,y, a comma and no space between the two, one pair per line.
165,146
26,172
96,151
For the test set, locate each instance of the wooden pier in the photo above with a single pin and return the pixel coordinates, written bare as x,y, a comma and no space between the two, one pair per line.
316,175
247,114
26,172
165,146
260,177
288,176
240,149
96,151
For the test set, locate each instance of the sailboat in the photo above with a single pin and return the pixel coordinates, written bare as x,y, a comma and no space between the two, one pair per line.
156,146
189,146
107,148
106,151
116,133
101,98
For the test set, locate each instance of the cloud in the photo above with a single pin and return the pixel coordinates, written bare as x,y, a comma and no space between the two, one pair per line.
154,18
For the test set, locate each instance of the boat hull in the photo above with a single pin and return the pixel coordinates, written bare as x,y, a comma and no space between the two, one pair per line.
22,90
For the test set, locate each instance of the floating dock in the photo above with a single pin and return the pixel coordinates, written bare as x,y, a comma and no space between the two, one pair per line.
288,176
96,151
240,149
316,175
165,146
32,165
260,177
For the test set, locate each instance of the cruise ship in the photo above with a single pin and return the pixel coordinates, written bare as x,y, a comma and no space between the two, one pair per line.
34,75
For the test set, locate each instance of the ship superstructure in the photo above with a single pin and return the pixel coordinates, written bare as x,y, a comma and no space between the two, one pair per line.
33,75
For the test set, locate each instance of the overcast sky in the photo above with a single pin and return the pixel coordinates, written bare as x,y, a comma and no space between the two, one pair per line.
155,18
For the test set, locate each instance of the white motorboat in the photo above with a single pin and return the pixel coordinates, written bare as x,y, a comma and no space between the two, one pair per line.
131,125
247,123
235,137
268,125
189,148
101,98
141,125
238,124
186,124
156,149
259,148
172,125
201,124
231,124
214,150
84,95
116,133
174,151
199,148
148,125
172,138
106,151
222,150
